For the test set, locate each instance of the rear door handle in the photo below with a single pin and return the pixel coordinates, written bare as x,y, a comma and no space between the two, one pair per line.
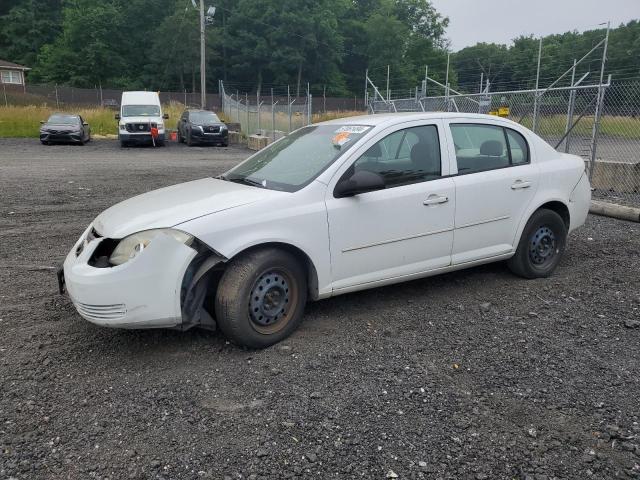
520,184
435,199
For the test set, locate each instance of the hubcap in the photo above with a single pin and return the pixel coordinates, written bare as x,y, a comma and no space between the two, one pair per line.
543,246
270,300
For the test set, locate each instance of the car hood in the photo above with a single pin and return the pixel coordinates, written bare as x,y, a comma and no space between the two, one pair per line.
176,204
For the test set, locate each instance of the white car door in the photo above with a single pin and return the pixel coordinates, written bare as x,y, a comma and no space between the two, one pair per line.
405,227
495,183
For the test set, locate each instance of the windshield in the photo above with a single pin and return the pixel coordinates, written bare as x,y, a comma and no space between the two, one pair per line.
64,119
140,111
203,117
297,159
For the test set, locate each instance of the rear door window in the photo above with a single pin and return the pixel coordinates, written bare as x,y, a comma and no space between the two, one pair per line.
518,147
479,147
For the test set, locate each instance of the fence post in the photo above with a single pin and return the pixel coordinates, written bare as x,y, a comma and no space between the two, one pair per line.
388,93
238,108
366,88
289,107
535,98
570,109
309,106
273,120
324,99
57,101
599,105
246,101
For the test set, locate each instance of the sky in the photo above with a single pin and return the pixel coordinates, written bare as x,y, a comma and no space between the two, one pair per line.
500,21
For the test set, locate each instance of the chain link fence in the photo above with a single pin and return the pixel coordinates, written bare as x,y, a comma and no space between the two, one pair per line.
600,124
60,97
274,115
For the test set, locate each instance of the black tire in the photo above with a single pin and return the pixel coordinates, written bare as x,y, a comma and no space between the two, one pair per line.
541,246
225,144
261,297
124,144
189,140
180,139
44,142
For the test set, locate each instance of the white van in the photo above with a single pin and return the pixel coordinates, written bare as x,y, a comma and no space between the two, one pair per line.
140,114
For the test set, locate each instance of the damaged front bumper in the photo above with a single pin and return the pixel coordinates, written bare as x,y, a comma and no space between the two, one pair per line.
144,292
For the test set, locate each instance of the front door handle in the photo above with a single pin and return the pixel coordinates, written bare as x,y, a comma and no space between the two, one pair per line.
520,184
435,199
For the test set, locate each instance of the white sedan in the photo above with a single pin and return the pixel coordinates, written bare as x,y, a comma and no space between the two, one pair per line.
332,208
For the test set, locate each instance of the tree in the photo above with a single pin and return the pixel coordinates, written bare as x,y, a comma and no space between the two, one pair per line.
26,27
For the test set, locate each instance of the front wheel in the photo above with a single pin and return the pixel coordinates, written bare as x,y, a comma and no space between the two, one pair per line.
261,297
541,246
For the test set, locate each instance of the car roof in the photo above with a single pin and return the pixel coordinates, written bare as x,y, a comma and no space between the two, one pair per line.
140,96
198,110
391,118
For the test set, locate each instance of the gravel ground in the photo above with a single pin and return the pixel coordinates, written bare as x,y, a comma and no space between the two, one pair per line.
471,375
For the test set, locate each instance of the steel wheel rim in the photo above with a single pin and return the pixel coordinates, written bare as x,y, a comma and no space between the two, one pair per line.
543,246
271,301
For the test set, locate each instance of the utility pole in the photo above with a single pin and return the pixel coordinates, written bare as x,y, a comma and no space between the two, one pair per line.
203,81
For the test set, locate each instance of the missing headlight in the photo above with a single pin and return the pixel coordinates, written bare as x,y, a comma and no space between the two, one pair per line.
100,256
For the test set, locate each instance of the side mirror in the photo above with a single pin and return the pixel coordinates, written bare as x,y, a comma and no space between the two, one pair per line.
42,122
165,116
360,182
117,116
86,124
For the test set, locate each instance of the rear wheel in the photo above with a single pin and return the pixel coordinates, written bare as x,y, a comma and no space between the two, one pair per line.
261,297
180,139
541,246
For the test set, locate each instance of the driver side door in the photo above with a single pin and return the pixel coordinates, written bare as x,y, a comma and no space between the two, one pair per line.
403,229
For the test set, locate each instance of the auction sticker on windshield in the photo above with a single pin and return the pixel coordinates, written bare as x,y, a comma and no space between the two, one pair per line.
352,129
343,134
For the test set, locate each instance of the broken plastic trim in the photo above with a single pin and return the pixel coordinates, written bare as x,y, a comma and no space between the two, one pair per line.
195,287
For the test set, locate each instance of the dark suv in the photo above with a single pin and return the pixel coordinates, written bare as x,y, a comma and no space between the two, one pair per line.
202,126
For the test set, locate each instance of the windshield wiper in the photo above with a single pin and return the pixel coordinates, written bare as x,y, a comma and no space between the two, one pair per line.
245,181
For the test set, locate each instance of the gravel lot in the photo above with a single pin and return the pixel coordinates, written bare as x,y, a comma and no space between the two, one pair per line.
470,375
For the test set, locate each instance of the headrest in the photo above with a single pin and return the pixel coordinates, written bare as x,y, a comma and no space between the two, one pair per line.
420,152
492,148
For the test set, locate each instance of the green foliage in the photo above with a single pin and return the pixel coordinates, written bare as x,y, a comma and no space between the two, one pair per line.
514,67
259,43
